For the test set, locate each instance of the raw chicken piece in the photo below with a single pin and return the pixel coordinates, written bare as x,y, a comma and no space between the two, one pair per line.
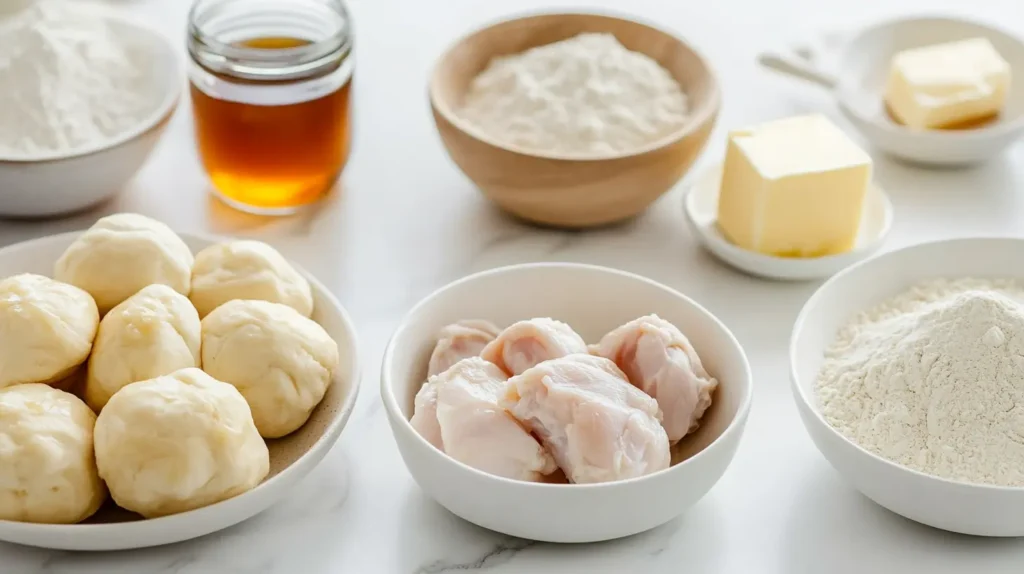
459,341
424,414
526,343
599,427
457,411
661,362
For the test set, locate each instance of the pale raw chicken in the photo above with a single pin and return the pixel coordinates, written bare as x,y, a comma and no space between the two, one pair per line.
527,343
661,362
457,412
424,414
599,427
459,341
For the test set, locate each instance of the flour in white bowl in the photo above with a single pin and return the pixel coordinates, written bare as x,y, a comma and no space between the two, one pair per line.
934,380
67,80
585,96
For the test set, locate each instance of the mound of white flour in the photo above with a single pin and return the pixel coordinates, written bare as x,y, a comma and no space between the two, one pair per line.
934,380
67,80
584,96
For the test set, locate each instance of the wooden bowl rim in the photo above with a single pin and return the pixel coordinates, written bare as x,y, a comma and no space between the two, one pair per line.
706,112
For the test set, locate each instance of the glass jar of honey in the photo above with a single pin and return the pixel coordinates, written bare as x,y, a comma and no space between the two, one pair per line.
270,83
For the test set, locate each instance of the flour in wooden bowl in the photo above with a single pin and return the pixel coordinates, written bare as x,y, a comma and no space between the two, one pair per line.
584,96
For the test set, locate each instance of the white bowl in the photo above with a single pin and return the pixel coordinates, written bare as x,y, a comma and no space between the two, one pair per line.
291,457
592,300
700,205
45,185
859,83
955,506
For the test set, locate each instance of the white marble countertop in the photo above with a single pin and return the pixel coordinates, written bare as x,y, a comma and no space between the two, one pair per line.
405,222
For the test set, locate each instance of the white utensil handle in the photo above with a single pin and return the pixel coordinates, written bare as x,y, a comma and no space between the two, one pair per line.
797,68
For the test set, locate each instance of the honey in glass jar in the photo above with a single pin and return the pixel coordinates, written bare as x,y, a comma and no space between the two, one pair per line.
270,87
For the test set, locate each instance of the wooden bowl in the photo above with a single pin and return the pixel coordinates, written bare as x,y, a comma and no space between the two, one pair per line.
571,192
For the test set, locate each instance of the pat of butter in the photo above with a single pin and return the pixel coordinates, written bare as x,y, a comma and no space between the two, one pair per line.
946,85
793,188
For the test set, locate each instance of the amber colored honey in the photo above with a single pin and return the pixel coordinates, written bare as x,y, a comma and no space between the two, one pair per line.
273,158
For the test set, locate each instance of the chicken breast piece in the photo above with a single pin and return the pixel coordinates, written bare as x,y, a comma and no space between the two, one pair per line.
458,412
659,360
459,341
424,414
596,424
527,343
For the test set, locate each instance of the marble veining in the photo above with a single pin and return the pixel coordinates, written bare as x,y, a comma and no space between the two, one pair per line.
502,553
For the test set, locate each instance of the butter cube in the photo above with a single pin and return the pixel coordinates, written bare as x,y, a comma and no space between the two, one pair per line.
947,85
793,188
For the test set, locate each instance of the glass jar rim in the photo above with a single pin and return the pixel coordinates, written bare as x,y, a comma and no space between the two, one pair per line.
262,63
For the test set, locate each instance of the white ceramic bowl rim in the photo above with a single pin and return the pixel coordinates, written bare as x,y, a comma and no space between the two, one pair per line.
801,395
170,521
159,113
982,132
692,123
391,403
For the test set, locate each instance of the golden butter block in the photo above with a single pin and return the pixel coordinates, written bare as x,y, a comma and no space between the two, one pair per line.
793,187
947,85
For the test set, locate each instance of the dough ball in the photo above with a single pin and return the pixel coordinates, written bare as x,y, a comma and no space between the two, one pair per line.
178,442
46,329
47,469
281,361
152,333
247,270
120,254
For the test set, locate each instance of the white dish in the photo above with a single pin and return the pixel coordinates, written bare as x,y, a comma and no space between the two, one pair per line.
700,205
580,296
859,79
56,184
291,458
955,506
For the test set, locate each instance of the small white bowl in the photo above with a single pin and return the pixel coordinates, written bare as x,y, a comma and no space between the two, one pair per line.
859,83
46,185
291,457
955,506
592,300
700,206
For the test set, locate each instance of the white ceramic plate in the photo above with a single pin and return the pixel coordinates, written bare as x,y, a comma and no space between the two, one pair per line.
858,83
291,458
955,506
701,209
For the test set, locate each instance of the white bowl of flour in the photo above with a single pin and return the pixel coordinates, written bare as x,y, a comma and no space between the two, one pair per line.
908,372
86,96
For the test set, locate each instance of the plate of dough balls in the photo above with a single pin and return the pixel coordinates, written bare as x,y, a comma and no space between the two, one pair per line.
157,387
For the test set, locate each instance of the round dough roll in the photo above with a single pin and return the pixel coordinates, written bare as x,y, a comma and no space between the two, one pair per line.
120,254
178,442
47,469
152,333
247,270
281,361
46,329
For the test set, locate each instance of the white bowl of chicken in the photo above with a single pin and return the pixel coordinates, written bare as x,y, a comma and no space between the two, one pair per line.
564,402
